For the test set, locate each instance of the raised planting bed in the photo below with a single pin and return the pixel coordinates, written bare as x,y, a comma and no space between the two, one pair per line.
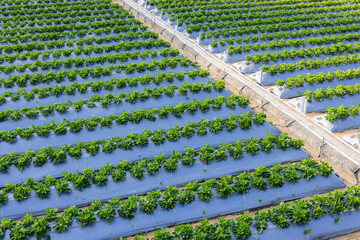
320,218
161,171
210,199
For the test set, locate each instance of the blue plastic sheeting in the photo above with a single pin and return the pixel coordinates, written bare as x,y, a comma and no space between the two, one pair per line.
299,91
130,186
268,79
199,210
219,48
36,142
193,34
323,105
99,110
322,228
22,102
148,151
351,122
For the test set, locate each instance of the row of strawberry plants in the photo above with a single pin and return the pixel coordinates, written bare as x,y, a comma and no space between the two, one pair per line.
259,10
82,88
64,44
130,141
35,6
88,61
227,19
117,25
299,214
311,64
130,95
62,13
277,35
196,5
97,7
333,49
79,50
27,2
313,79
120,119
129,208
55,7
27,79
265,26
269,43
96,100
99,71
340,113
340,91
59,16
13,24
257,15
79,34
137,170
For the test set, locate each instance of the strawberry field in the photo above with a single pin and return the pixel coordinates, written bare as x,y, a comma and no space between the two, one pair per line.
107,132
306,51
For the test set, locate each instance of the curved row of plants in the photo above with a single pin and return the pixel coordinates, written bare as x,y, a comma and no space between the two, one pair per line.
339,91
59,155
339,47
241,31
115,207
340,113
137,116
313,79
27,79
96,100
32,5
206,155
285,215
79,50
268,26
132,97
58,44
22,21
33,9
280,43
260,6
116,25
191,15
14,38
211,21
10,23
21,2
88,61
333,49
311,64
98,71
